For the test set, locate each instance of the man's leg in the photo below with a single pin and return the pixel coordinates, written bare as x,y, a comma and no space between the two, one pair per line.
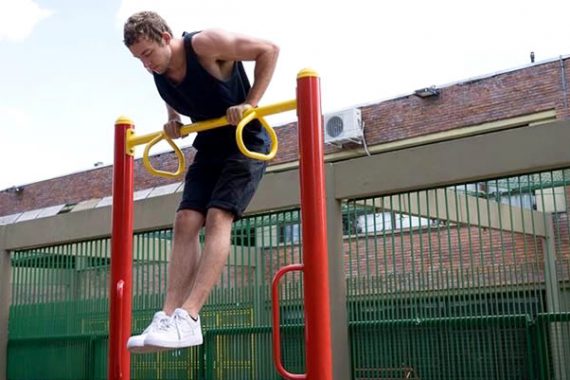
237,172
216,250
182,269
184,328
184,259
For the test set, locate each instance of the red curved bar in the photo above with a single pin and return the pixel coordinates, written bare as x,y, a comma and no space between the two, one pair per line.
275,330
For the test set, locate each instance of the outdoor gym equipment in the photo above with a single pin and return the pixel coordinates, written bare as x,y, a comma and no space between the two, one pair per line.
314,235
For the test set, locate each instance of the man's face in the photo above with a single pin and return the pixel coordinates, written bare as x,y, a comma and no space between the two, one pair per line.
154,56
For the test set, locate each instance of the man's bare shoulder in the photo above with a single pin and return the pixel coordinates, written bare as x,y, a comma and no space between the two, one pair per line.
221,45
209,42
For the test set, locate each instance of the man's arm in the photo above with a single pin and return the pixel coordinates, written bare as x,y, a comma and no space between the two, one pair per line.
172,126
217,47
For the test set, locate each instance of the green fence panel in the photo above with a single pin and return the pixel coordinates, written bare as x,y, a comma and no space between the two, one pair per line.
461,282
239,310
58,316
470,281
59,311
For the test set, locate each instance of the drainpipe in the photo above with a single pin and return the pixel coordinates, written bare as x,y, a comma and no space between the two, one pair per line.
564,86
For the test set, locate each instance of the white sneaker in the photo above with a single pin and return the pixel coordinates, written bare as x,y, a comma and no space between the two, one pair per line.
135,344
180,331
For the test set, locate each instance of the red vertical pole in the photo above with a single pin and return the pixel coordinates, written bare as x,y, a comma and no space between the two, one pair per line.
314,232
121,256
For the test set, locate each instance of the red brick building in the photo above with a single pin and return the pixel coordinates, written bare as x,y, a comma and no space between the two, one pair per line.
448,241
540,87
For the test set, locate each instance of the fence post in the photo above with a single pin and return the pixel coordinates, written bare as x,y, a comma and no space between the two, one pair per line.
339,314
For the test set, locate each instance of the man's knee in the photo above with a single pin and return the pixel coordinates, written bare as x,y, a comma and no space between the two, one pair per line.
218,217
188,221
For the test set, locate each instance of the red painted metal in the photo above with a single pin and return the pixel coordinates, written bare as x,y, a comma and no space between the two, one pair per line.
276,322
119,363
314,229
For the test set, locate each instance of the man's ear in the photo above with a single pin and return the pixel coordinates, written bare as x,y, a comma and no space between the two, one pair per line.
166,38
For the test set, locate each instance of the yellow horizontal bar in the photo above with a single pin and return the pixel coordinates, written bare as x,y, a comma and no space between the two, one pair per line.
200,126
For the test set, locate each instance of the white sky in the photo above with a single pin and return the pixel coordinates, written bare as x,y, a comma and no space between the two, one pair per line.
65,75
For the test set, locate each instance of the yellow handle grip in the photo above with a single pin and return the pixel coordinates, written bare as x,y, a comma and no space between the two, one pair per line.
177,151
255,113
249,116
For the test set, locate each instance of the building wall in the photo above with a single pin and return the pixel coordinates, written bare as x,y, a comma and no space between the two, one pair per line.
532,89
506,152
477,256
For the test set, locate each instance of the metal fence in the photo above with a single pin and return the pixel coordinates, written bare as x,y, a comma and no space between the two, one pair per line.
59,311
464,282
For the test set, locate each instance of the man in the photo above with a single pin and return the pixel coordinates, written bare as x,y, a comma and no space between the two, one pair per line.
201,76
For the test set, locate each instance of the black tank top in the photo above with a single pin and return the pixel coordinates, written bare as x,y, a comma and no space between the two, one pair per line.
201,97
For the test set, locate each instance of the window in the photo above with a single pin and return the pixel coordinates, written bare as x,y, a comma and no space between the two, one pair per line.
289,233
388,221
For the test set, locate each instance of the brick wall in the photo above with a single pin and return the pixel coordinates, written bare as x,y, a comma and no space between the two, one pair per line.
95,183
515,93
464,257
458,257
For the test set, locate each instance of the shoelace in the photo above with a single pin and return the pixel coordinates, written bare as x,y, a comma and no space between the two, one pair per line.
177,321
159,324
165,323
174,321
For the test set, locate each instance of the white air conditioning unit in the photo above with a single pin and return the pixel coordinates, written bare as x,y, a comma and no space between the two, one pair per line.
343,126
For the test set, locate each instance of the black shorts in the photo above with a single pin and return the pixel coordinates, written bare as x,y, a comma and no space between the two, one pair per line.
227,183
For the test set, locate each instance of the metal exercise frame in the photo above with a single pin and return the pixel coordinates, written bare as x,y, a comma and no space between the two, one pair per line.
314,234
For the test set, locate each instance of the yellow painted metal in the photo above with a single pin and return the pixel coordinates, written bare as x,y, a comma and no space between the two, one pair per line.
130,149
162,173
124,120
307,72
255,113
250,115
